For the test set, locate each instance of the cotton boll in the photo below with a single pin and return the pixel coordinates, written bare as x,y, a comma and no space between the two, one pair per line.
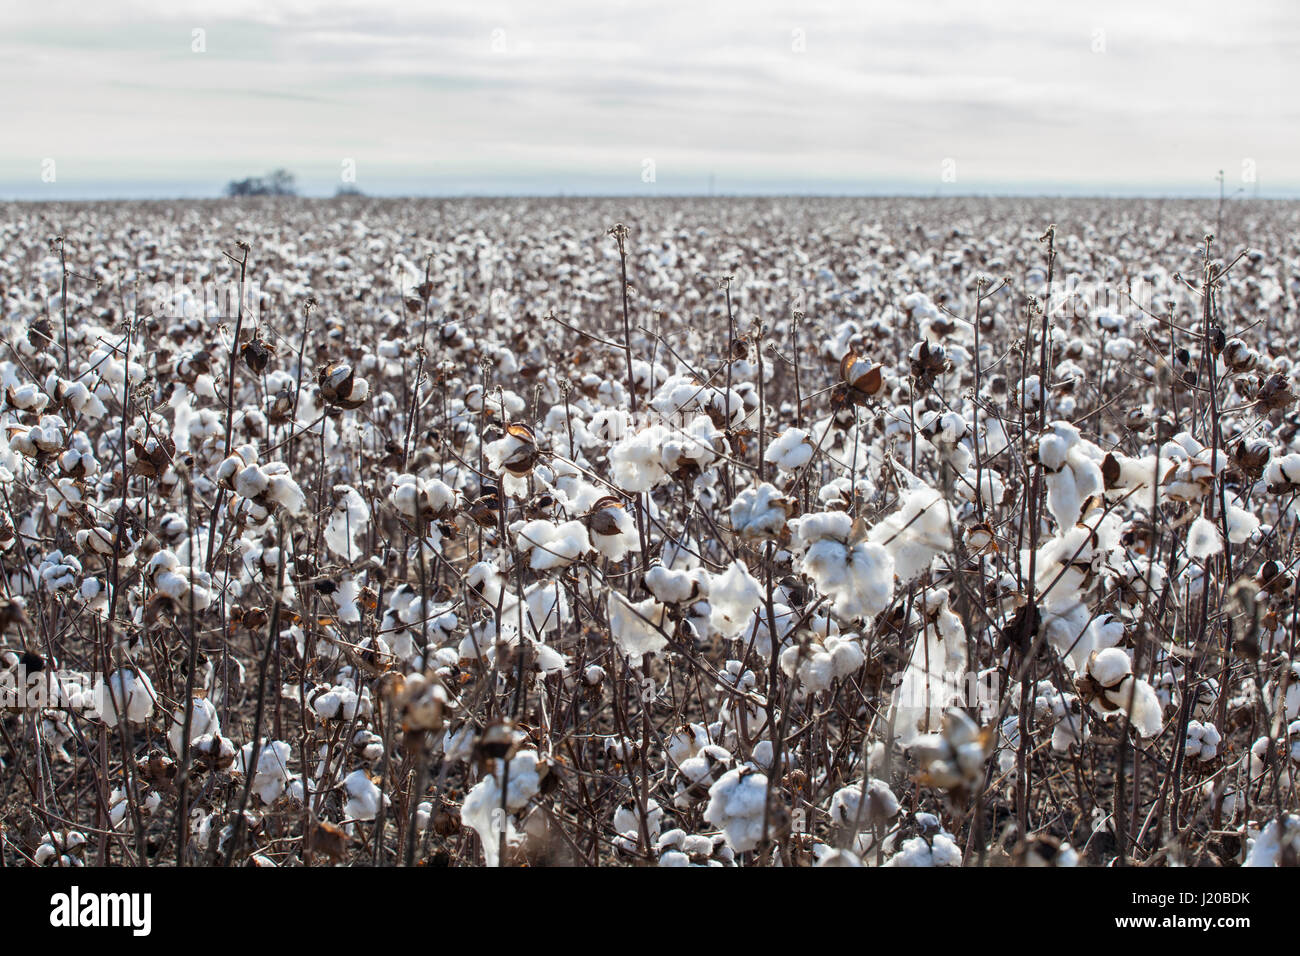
816,665
858,579
1280,838
363,797
1242,525
791,451
760,512
1110,666
551,545
58,571
627,820
272,775
934,675
490,807
636,460
955,757
678,396
213,751
613,530
339,702
1282,476
849,810
834,857
1146,713
1202,741
27,397
692,449
63,848
484,579
635,626
1046,851
284,491
1073,475
675,587
1204,540
251,481
685,742
736,803
733,596
913,535
348,521
916,852
203,721
345,596
130,695
422,499
811,528
1111,670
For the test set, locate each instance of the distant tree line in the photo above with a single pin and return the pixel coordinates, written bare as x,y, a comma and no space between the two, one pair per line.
279,182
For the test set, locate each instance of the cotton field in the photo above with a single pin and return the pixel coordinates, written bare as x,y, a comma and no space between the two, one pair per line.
726,532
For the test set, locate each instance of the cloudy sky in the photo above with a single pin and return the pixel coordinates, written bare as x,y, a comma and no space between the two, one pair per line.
173,98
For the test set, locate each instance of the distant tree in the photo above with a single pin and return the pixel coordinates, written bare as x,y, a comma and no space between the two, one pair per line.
347,191
279,182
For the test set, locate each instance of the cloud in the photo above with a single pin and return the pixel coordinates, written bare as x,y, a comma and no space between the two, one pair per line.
568,95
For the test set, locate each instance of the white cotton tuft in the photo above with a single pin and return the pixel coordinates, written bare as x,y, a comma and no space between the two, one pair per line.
1242,524
1110,666
551,545
348,521
635,626
791,451
733,596
736,804
859,580
1204,540
913,535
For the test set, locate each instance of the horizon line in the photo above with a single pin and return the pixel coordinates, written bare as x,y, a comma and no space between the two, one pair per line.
562,194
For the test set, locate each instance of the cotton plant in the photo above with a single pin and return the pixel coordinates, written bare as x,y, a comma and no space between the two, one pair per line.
410,480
